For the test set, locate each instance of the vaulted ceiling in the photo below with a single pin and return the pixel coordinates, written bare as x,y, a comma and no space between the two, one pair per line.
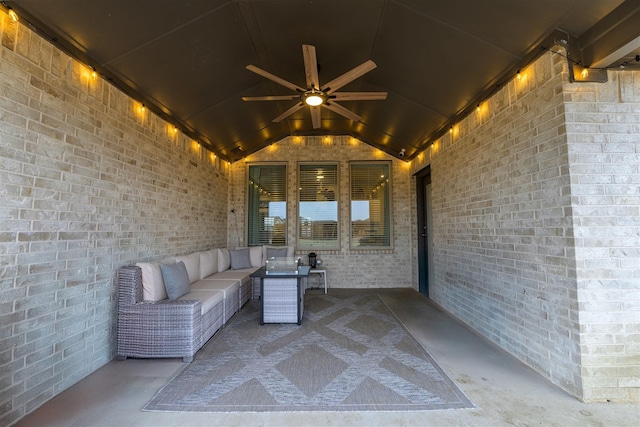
436,59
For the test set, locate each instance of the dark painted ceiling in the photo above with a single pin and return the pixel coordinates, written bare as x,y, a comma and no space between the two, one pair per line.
186,59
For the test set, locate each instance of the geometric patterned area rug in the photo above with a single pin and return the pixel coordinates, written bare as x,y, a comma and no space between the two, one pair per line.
351,353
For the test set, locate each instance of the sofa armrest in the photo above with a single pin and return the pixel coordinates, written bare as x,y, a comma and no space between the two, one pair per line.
187,310
161,329
167,328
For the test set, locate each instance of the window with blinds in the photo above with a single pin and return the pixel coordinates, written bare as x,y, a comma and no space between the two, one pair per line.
318,206
267,205
370,205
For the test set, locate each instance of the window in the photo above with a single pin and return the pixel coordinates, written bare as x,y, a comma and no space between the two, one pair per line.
370,205
267,205
318,206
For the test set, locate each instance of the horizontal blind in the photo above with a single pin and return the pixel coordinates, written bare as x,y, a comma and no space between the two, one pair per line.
318,206
267,205
370,204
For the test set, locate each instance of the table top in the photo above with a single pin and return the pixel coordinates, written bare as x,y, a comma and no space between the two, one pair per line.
303,271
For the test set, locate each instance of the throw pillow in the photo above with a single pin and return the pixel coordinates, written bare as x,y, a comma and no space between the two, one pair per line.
176,279
276,253
240,259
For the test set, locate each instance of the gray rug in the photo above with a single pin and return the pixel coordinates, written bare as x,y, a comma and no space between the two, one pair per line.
350,354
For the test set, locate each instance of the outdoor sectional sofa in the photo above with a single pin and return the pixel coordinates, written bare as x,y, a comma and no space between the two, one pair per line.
173,307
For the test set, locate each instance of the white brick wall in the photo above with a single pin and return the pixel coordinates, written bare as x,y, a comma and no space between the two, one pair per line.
346,268
537,226
87,184
603,132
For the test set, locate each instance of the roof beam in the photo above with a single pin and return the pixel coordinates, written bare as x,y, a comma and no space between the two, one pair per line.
613,37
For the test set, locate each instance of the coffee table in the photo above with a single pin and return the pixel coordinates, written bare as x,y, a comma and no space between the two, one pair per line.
282,295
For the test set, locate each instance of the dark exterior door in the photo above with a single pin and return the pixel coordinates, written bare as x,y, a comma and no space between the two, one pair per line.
425,242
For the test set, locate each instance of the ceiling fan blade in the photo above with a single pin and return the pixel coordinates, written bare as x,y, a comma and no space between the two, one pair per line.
316,120
310,66
273,77
336,108
271,98
348,77
358,96
288,112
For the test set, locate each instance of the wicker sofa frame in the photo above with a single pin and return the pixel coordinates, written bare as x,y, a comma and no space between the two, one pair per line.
177,328
168,328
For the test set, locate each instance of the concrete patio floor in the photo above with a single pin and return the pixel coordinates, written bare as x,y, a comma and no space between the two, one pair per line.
505,392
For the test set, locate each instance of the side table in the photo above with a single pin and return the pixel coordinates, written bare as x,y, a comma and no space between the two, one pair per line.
323,272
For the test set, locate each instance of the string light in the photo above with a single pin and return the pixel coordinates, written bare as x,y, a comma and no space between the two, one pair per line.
624,64
585,73
93,74
12,14
585,70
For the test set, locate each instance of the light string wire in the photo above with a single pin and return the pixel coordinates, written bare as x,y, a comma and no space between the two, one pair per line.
623,65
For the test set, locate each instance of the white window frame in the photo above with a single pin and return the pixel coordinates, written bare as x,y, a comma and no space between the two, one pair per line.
331,191
358,193
280,237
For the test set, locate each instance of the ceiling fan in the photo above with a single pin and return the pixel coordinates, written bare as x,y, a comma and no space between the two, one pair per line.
316,96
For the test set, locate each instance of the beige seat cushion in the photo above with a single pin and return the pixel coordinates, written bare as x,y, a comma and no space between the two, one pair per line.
230,287
208,299
239,275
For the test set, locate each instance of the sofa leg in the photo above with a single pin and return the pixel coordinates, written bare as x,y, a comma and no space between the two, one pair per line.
187,359
121,358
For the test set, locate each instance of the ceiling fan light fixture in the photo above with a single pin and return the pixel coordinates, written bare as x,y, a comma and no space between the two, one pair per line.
314,98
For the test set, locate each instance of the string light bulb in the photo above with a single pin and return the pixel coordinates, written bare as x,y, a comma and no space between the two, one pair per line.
12,14
585,73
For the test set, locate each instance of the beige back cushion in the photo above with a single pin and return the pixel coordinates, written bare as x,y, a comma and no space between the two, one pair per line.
224,260
192,262
208,263
152,284
255,255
